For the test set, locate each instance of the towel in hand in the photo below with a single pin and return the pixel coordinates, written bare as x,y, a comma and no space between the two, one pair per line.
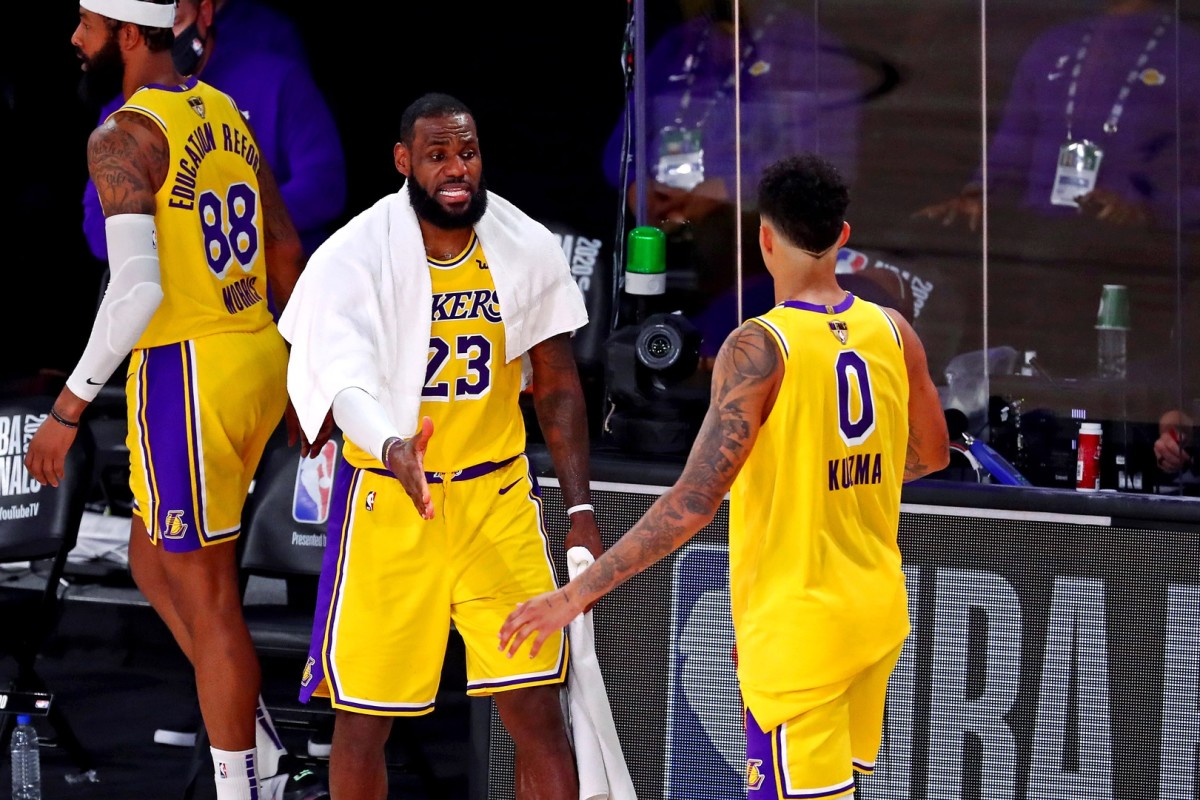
603,774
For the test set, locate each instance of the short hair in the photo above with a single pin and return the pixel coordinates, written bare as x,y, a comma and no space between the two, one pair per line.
805,198
433,104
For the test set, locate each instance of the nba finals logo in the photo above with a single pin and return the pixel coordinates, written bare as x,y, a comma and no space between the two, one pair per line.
838,328
314,484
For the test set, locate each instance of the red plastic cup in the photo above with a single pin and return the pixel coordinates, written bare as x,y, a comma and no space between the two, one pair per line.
1087,453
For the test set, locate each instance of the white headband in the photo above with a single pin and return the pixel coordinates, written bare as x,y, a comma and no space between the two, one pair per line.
153,15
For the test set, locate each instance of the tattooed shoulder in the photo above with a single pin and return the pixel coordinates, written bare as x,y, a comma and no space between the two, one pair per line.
126,158
750,354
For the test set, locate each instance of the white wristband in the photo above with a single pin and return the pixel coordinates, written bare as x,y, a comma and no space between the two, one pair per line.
580,507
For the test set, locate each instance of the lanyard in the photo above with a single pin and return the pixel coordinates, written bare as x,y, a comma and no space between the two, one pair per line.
693,60
1114,116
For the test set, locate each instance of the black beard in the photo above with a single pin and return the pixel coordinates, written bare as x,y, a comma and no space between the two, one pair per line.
431,210
104,76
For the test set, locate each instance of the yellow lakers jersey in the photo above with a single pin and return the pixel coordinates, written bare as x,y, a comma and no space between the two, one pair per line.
815,582
208,216
470,393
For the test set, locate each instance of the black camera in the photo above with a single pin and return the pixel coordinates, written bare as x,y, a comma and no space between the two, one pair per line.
658,398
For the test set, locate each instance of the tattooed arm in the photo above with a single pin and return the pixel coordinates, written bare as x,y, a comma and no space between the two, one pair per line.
745,381
928,441
127,159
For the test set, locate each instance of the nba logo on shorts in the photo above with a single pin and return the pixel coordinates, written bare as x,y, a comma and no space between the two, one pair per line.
314,482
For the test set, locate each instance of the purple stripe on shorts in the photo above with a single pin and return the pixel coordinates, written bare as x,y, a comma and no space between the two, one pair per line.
197,450
559,672
166,429
766,757
345,478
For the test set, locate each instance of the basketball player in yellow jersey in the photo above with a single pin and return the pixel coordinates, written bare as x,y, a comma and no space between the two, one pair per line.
410,326
196,231
821,408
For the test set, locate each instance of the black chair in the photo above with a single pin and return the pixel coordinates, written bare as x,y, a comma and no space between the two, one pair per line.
39,525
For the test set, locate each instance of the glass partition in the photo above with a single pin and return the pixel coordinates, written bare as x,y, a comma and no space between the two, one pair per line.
1023,187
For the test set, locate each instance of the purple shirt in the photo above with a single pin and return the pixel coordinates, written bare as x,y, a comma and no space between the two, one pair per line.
292,122
1161,115
794,96
253,26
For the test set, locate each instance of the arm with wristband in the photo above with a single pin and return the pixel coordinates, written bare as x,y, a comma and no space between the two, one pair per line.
561,413
122,162
364,421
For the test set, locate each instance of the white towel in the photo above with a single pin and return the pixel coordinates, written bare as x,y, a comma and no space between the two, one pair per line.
361,311
603,774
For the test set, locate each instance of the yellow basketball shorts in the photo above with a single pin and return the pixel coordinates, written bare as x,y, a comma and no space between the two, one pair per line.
815,754
392,584
200,413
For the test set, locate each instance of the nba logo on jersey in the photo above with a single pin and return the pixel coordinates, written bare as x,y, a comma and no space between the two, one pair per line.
314,482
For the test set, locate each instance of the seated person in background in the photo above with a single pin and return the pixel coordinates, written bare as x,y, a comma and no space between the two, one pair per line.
1175,434
1120,67
690,113
1092,174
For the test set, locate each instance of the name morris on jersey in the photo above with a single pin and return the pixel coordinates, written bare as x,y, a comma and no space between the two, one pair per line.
241,294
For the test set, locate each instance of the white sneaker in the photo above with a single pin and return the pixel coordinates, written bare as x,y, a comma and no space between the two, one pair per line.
175,738
320,741
272,788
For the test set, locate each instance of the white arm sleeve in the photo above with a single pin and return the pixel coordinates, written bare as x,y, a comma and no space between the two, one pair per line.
363,420
133,295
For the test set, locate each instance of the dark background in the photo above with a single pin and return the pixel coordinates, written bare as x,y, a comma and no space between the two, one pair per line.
545,90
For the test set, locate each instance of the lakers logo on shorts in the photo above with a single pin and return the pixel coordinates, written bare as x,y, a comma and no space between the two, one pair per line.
173,526
754,775
306,676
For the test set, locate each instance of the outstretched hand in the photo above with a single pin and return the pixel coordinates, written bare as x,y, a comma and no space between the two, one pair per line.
406,460
542,615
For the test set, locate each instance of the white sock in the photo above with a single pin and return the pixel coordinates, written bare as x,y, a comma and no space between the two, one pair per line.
266,740
234,774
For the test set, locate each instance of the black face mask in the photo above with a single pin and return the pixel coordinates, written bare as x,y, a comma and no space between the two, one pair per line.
188,49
